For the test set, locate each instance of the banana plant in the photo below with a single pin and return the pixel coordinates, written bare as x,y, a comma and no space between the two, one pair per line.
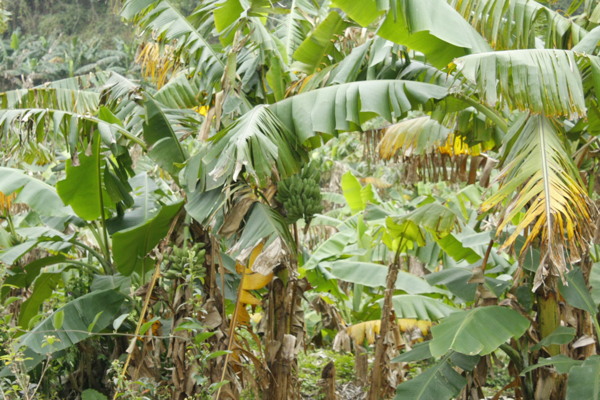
512,77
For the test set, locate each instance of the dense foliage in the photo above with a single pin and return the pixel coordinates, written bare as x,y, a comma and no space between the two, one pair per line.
409,183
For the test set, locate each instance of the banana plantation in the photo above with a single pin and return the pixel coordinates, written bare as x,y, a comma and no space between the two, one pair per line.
302,199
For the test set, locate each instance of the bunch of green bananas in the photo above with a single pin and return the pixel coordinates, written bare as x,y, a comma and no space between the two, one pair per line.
185,261
300,194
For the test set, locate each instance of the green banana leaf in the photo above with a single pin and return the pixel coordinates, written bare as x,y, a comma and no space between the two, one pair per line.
584,380
95,310
477,331
440,381
130,246
421,307
38,195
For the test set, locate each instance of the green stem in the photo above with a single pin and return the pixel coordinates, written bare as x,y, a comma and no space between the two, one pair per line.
11,225
105,266
488,112
102,212
513,354
548,316
596,325
87,266
99,241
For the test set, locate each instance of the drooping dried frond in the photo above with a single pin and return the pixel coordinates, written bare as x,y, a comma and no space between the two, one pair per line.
158,62
541,81
251,280
517,24
540,179
163,20
6,202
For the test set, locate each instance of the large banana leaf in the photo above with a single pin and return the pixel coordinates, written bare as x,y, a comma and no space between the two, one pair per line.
130,246
38,195
144,204
477,331
584,380
68,107
42,289
163,144
23,277
561,363
433,218
374,275
576,293
319,45
456,280
595,283
258,143
47,238
226,13
440,381
561,335
83,317
589,42
345,107
41,120
201,205
95,80
76,100
541,81
331,248
456,249
180,92
540,177
86,199
373,52
429,26
355,194
263,223
419,352
518,24
421,307
295,27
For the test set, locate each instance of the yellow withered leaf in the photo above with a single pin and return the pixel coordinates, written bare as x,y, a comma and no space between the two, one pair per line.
408,324
247,298
455,145
252,280
6,201
255,253
255,281
243,318
369,329
158,62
